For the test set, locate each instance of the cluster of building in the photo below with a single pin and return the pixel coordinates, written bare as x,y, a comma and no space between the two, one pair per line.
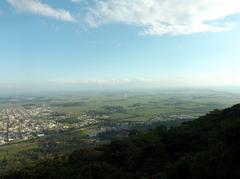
171,117
23,123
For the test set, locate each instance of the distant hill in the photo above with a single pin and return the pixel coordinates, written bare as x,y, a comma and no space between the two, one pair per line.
206,148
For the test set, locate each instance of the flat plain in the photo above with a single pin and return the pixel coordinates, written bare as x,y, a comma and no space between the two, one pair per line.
89,118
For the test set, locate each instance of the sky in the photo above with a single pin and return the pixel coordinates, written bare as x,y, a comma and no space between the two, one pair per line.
88,44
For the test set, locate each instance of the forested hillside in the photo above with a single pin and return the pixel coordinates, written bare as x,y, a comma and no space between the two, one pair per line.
204,148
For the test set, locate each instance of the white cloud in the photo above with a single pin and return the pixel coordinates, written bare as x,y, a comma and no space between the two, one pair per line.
158,17
36,7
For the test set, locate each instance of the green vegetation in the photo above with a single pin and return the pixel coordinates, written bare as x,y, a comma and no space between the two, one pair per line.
116,113
135,105
19,154
204,148
144,105
61,142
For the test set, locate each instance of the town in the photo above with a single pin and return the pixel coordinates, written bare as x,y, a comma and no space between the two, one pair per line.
22,123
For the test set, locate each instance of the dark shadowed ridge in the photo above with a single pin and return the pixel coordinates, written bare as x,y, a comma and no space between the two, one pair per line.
204,148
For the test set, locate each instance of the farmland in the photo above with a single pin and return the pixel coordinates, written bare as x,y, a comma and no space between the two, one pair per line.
91,118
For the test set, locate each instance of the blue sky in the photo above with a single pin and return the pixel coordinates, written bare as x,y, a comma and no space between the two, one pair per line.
71,44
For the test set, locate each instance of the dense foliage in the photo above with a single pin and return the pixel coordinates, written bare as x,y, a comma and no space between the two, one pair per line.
204,148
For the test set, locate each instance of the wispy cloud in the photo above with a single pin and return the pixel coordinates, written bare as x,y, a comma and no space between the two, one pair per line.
37,7
163,81
76,1
158,17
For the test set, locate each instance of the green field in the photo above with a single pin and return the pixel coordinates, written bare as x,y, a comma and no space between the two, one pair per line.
145,105
107,106
17,155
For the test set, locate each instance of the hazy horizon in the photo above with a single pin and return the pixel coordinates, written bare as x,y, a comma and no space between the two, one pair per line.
13,92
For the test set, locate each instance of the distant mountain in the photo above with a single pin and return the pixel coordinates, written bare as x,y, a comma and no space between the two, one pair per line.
206,148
